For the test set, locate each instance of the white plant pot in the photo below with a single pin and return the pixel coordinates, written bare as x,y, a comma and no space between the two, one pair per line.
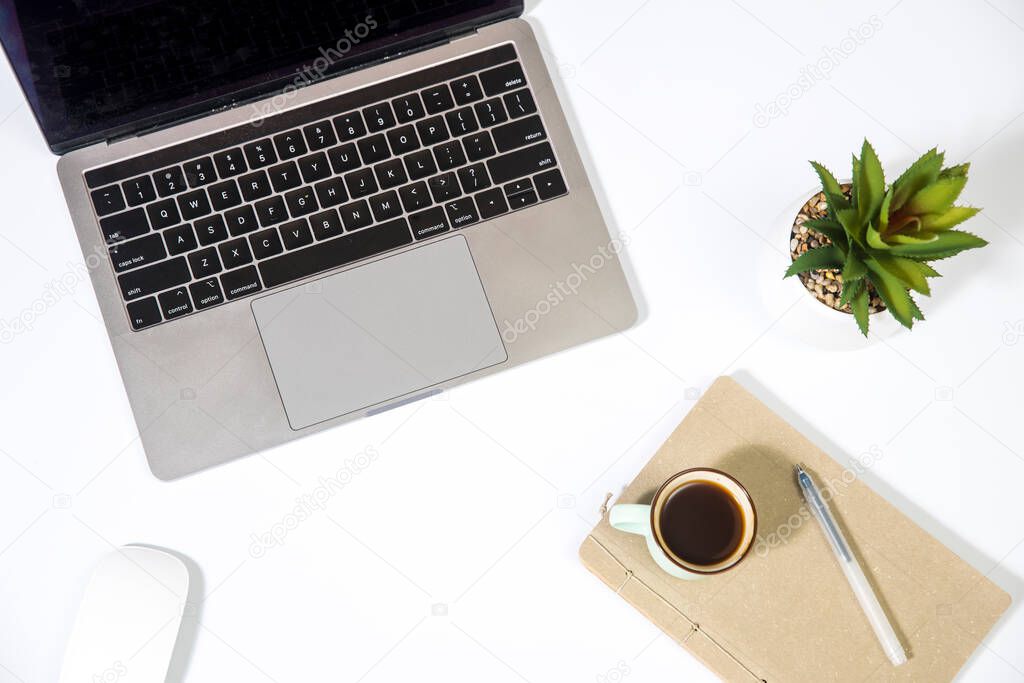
809,321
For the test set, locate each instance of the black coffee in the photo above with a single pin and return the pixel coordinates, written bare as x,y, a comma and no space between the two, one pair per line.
702,523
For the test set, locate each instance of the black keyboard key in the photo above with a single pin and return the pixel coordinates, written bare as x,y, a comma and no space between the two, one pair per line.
526,161
432,130
224,195
241,220
326,224
155,278
175,303
336,252
241,282
420,164
461,212
170,181
135,253
428,223
503,78
163,214
200,172
379,117
108,200
139,190
490,112
350,126
230,163
296,234
344,158
235,253
462,121
180,239
265,243
320,135
390,174
479,146
301,202
255,186
314,167
519,133
385,206
271,211
124,226
449,155
204,263
444,187
522,199
290,145
356,215
437,99
408,108
194,205
260,153
206,293
474,178
211,230
550,184
285,176
515,187
520,103
415,197
144,313
374,149
491,203
467,90
331,192
361,183
403,140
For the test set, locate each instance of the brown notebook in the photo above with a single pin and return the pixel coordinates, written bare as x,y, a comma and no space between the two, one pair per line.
787,613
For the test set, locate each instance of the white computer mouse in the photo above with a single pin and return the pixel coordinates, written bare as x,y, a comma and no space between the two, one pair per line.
129,619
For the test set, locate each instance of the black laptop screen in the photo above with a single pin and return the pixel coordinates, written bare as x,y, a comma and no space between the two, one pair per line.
92,69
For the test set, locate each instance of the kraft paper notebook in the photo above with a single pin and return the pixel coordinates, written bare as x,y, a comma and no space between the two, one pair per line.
786,613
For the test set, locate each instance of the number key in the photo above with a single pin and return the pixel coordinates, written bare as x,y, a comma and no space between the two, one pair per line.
320,135
170,181
139,190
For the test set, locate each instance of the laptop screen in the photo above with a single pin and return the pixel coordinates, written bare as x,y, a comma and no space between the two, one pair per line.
95,69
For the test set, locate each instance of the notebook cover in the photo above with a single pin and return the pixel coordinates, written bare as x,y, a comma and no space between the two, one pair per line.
787,613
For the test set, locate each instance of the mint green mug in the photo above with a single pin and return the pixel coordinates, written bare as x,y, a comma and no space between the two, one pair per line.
700,522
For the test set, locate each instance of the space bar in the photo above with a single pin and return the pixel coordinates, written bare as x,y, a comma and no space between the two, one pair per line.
336,252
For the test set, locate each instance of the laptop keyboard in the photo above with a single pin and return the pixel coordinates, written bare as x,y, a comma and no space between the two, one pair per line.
258,206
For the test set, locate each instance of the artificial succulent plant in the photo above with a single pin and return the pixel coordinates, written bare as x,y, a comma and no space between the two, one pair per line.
884,238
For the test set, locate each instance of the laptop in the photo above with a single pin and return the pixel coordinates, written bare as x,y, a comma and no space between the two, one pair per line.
298,213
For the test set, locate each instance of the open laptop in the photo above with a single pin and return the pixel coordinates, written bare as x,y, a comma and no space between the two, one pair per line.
300,212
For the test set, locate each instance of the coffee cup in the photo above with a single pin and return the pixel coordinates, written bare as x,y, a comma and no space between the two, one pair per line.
701,522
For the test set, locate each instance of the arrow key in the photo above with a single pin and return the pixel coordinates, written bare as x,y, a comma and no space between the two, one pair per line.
550,184
491,203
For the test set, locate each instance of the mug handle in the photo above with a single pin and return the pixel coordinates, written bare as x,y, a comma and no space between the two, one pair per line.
634,519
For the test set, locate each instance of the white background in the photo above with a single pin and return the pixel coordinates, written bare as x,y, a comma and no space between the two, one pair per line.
478,500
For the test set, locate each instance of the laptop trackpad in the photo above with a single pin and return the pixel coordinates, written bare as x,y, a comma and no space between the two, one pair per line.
383,331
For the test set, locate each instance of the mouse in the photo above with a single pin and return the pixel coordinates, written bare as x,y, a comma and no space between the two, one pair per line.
129,618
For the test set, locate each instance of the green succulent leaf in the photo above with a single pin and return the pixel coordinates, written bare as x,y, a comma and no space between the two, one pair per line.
850,291
850,220
918,238
927,269
893,293
915,311
906,271
816,259
870,183
955,171
883,214
945,244
830,229
920,175
854,182
828,181
874,239
953,216
859,305
854,268
937,197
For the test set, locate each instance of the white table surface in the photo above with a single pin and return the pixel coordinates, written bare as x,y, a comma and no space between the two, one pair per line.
453,555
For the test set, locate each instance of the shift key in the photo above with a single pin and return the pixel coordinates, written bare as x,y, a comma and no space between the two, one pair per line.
521,163
153,279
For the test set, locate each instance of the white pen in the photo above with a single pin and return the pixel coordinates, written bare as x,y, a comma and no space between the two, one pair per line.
852,569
